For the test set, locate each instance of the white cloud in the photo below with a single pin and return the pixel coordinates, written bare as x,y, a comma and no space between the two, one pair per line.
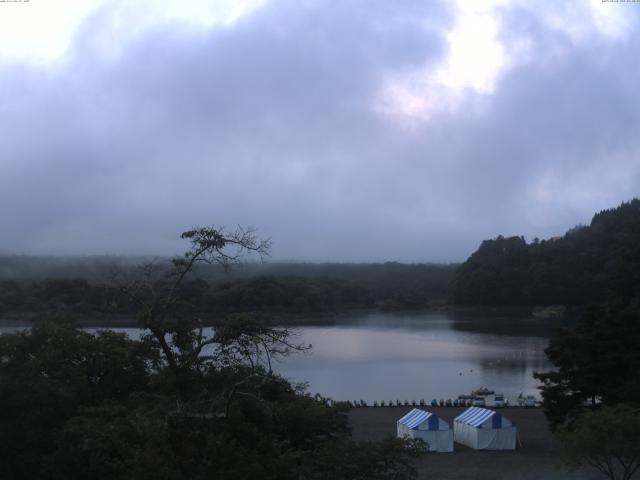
612,20
589,20
268,122
473,61
43,30
478,55
40,30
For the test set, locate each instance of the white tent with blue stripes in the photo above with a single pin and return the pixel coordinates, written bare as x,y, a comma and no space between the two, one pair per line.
483,429
429,427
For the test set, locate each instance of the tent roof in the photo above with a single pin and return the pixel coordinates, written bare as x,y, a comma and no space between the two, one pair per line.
415,418
475,416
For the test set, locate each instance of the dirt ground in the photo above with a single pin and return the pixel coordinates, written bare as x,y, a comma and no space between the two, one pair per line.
536,460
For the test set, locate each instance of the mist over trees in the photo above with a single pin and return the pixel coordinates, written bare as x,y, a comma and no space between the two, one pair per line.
586,265
267,288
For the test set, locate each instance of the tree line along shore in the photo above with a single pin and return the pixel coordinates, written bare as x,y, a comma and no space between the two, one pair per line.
587,265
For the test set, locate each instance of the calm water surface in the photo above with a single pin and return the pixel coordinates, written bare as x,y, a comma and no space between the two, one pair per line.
414,356
378,356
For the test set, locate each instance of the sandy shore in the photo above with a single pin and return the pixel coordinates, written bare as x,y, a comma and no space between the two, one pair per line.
536,460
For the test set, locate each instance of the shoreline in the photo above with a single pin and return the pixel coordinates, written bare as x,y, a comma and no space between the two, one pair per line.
514,313
538,458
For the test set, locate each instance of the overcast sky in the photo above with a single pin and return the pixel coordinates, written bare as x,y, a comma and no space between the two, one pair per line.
345,130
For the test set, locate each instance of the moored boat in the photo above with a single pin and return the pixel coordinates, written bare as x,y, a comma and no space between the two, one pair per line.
482,391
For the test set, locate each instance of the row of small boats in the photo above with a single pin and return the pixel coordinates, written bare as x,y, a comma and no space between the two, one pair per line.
477,398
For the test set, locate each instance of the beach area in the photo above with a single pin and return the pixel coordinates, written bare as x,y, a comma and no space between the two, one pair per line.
537,459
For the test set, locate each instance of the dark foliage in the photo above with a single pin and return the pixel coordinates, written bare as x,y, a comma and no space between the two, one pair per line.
308,289
76,405
390,282
177,404
584,266
597,362
287,294
48,372
607,440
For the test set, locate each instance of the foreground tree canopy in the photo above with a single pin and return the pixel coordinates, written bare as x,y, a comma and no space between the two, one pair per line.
597,362
592,398
607,439
175,404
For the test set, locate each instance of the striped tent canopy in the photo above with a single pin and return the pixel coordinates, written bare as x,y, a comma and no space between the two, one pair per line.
428,427
476,417
484,429
416,417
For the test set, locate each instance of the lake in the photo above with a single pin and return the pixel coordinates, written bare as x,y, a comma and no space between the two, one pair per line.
410,356
421,355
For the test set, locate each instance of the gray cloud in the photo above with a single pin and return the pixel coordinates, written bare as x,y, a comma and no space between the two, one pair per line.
271,123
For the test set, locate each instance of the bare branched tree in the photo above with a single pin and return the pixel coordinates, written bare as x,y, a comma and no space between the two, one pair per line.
156,290
246,341
242,348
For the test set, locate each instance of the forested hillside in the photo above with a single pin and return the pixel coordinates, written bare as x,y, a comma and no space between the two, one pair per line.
89,287
587,265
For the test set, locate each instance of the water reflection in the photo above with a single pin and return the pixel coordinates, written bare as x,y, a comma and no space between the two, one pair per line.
423,355
385,356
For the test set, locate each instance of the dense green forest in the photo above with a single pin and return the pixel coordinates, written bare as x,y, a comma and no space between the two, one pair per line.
586,265
269,288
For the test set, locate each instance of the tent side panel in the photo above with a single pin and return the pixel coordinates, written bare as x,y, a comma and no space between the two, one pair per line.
403,431
497,439
444,440
466,435
438,440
